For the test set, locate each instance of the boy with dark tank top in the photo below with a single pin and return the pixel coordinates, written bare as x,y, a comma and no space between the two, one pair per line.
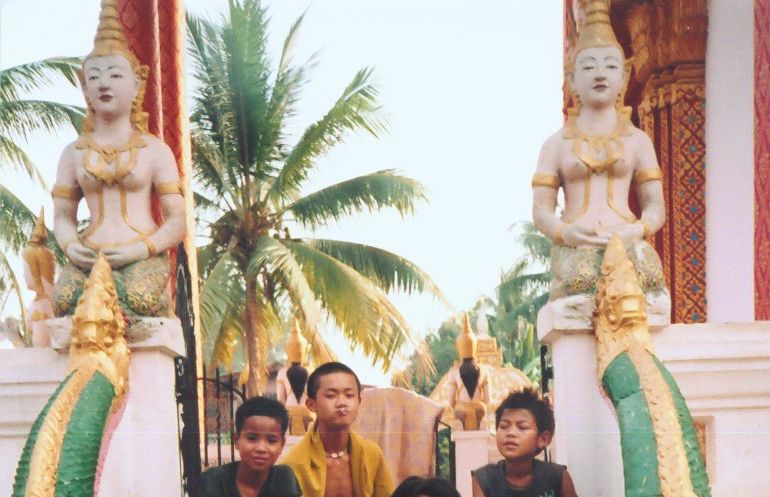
525,426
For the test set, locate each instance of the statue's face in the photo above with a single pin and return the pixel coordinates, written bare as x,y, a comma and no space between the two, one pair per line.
110,84
598,75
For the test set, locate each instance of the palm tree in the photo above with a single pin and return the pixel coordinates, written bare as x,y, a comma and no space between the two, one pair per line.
19,118
256,274
523,291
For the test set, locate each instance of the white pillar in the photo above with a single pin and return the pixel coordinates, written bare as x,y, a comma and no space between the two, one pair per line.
730,161
143,458
587,439
471,452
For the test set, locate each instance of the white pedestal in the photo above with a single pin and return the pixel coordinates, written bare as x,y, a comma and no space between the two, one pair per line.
723,370
143,458
471,452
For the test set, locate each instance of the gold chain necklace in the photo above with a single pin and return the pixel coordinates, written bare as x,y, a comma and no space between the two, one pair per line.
108,154
597,152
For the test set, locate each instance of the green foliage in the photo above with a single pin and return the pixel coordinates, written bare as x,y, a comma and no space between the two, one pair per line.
251,182
19,118
523,290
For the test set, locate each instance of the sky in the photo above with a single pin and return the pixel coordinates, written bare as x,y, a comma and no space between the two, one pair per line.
470,91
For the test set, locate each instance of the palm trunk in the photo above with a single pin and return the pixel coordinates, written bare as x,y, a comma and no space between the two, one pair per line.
252,339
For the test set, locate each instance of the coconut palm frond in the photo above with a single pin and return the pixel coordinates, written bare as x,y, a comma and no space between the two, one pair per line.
23,117
269,253
7,274
389,271
371,192
356,109
16,222
25,78
360,309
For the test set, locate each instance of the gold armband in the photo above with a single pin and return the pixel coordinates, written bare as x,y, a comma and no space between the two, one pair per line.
67,192
651,174
168,188
151,248
547,180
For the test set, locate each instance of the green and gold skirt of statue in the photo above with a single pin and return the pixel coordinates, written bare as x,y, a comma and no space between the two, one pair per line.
142,287
576,270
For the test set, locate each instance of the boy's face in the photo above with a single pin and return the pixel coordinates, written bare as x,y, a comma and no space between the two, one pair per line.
517,436
260,442
336,401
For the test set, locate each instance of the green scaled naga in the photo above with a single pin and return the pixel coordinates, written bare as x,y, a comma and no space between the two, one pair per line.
661,456
61,456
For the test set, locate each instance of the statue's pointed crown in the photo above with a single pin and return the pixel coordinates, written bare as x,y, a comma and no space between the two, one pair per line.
296,344
110,38
40,233
466,342
593,26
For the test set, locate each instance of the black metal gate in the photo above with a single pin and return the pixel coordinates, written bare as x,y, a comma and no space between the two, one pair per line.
186,380
221,397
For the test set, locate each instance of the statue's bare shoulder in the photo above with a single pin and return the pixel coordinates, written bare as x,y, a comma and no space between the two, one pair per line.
65,171
551,153
644,150
163,161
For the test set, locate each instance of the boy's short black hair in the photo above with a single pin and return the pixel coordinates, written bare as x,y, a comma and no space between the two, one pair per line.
530,400
415,486
261,406
314,381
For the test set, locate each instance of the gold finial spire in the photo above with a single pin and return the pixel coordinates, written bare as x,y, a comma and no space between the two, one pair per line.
296,344
40,259
98,328
594,26
39,234
466,342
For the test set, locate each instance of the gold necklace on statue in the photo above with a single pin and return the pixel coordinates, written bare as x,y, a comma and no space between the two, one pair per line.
597,152
109,154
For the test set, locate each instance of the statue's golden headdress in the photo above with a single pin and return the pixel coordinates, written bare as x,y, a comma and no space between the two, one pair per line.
111,40
296,344
594,29
466,342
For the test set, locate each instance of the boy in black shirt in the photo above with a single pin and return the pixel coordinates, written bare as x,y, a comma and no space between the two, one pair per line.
261,425
525,426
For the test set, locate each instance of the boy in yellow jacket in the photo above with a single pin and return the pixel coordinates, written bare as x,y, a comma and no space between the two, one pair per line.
331,460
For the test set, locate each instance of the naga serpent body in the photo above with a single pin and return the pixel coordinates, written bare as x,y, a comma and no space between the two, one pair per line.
661,455
62,453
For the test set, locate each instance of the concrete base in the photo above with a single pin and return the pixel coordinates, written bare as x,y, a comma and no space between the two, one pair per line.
723,370
143,458
471,452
